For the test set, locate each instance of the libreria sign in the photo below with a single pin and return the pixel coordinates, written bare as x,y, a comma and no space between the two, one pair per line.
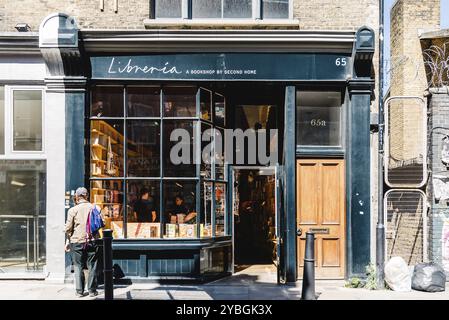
224,66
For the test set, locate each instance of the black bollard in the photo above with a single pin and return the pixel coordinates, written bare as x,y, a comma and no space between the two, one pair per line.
107,265
308,278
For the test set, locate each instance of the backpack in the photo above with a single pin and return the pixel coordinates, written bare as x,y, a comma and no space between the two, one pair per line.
94,222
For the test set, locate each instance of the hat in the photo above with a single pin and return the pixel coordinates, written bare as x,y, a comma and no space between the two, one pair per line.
81,192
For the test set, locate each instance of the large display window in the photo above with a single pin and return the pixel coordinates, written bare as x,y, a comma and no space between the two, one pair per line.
142,192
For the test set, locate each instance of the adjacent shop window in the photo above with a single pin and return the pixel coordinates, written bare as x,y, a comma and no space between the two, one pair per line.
222,8
27,120
319,116
2,120
143,144
168,8
22,215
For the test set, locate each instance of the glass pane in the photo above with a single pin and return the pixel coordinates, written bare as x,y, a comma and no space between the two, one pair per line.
27,120
143,209
106,148
206,8
219,154
143,148
107,102
2,120
206,104
108,195
178,154
180,101
206,150
168,8
219,105
220,209
237,9
144,101
275,9
206,209
318,119
180,214
22,215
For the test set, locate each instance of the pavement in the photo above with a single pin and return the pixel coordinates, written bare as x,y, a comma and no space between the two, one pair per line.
252,283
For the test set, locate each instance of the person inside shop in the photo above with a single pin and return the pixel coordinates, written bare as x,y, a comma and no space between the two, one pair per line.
180,213
145,208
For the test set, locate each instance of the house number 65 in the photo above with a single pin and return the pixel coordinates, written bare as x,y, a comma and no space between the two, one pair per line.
318,123
340,62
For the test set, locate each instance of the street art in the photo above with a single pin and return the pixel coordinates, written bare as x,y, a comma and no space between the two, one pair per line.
436,60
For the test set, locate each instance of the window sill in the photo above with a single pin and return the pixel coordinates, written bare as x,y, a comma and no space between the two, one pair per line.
221,23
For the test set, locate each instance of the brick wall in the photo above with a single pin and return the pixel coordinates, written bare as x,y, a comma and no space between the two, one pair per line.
130,14
439,128
316,15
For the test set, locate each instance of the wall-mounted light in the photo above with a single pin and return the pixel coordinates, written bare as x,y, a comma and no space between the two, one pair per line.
22,27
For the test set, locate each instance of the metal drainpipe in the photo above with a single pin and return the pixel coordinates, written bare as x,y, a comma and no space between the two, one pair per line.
380,228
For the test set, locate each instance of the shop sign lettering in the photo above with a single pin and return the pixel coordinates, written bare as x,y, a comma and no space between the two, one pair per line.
224,66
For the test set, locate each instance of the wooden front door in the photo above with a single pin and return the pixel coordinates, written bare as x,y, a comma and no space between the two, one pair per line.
320,208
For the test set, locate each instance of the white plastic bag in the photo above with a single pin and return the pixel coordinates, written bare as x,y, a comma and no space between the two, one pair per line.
397,275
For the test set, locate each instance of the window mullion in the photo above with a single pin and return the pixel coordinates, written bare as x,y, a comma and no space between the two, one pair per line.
257,9
185,10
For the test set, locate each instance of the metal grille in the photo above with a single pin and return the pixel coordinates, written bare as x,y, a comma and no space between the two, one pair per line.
406,225
405,142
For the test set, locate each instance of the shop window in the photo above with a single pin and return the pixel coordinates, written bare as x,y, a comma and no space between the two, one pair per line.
178,155
206,209
275,9
22,215
220,209
143,218
108,195
106,148
143,148
180,212
126,152
180,101
144,101
168,8
2,120
221,8
319,117
107,101
220,110
27,120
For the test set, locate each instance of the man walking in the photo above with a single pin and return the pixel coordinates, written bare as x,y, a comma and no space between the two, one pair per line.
84,250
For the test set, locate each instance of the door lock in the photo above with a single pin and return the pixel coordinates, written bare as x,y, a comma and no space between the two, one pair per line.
299,232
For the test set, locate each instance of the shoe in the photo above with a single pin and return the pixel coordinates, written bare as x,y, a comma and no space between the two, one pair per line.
93,294
80,295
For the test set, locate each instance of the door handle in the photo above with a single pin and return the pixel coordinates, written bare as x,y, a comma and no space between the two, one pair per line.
299,232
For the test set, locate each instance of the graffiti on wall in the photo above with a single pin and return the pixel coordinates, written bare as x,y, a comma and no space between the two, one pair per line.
445,244
436,60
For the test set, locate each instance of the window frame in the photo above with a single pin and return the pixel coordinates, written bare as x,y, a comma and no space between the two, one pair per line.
10,153
256,14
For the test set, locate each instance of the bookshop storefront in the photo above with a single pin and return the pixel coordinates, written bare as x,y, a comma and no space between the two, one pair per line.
136,105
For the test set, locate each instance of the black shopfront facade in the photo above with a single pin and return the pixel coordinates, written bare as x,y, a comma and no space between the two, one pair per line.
134,88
